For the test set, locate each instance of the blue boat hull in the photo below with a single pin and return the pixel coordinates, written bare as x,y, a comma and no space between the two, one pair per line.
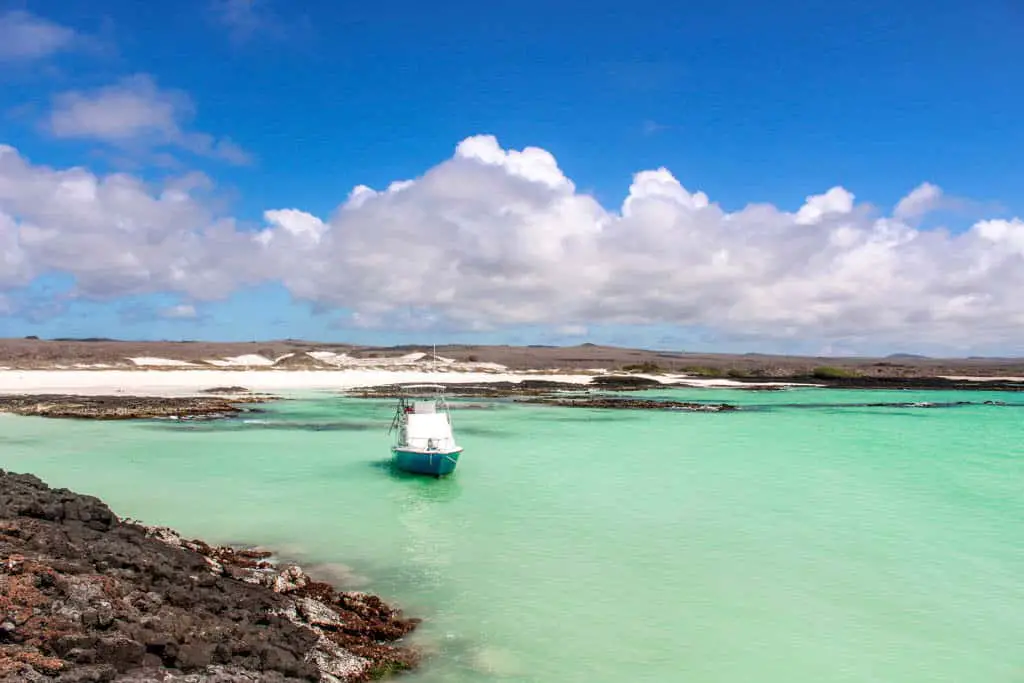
434,463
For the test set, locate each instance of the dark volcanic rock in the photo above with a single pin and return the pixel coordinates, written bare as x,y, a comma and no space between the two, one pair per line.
912,383
632,404
526,387
127,407
621,382
85,596
226,390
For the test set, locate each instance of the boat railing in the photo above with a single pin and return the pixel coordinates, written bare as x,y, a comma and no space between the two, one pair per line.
396,421
407,404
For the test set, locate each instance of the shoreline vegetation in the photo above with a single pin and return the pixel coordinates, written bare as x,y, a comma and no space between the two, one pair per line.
87,596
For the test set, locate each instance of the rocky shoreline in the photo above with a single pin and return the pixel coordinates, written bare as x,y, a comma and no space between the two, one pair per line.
907,383
132,407
231,401
86,597
602,392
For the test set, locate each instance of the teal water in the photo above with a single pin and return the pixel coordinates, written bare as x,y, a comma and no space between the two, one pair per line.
804,539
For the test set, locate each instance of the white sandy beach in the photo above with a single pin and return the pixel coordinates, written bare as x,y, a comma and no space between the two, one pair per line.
281,382
189,382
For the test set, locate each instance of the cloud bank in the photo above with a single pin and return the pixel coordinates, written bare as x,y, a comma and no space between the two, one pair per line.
494,237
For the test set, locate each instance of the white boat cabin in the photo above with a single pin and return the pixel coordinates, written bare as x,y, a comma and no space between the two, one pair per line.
424,425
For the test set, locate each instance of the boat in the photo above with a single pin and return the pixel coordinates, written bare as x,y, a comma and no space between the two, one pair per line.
424,440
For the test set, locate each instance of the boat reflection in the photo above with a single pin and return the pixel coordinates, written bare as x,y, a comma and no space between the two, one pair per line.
418,487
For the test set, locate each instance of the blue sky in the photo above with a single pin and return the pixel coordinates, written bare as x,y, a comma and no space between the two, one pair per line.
750,103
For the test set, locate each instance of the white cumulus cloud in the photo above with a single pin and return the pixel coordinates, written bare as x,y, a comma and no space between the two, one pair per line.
923,199
27,37
298,224
836,201
494,237
501,237
15,269
136,112
116,235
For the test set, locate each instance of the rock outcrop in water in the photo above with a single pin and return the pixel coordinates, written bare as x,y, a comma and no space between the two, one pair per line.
619,403
561,394
527,387
129,407
624,382
87,597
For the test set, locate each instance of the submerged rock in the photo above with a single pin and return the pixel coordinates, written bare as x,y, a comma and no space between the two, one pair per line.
86,596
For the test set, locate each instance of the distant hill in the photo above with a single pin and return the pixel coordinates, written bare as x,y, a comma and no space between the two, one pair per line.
95,351
80,339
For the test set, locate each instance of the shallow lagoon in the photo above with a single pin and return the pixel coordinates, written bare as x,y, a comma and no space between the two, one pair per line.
807,538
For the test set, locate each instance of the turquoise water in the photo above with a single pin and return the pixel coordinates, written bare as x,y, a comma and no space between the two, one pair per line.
801,540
